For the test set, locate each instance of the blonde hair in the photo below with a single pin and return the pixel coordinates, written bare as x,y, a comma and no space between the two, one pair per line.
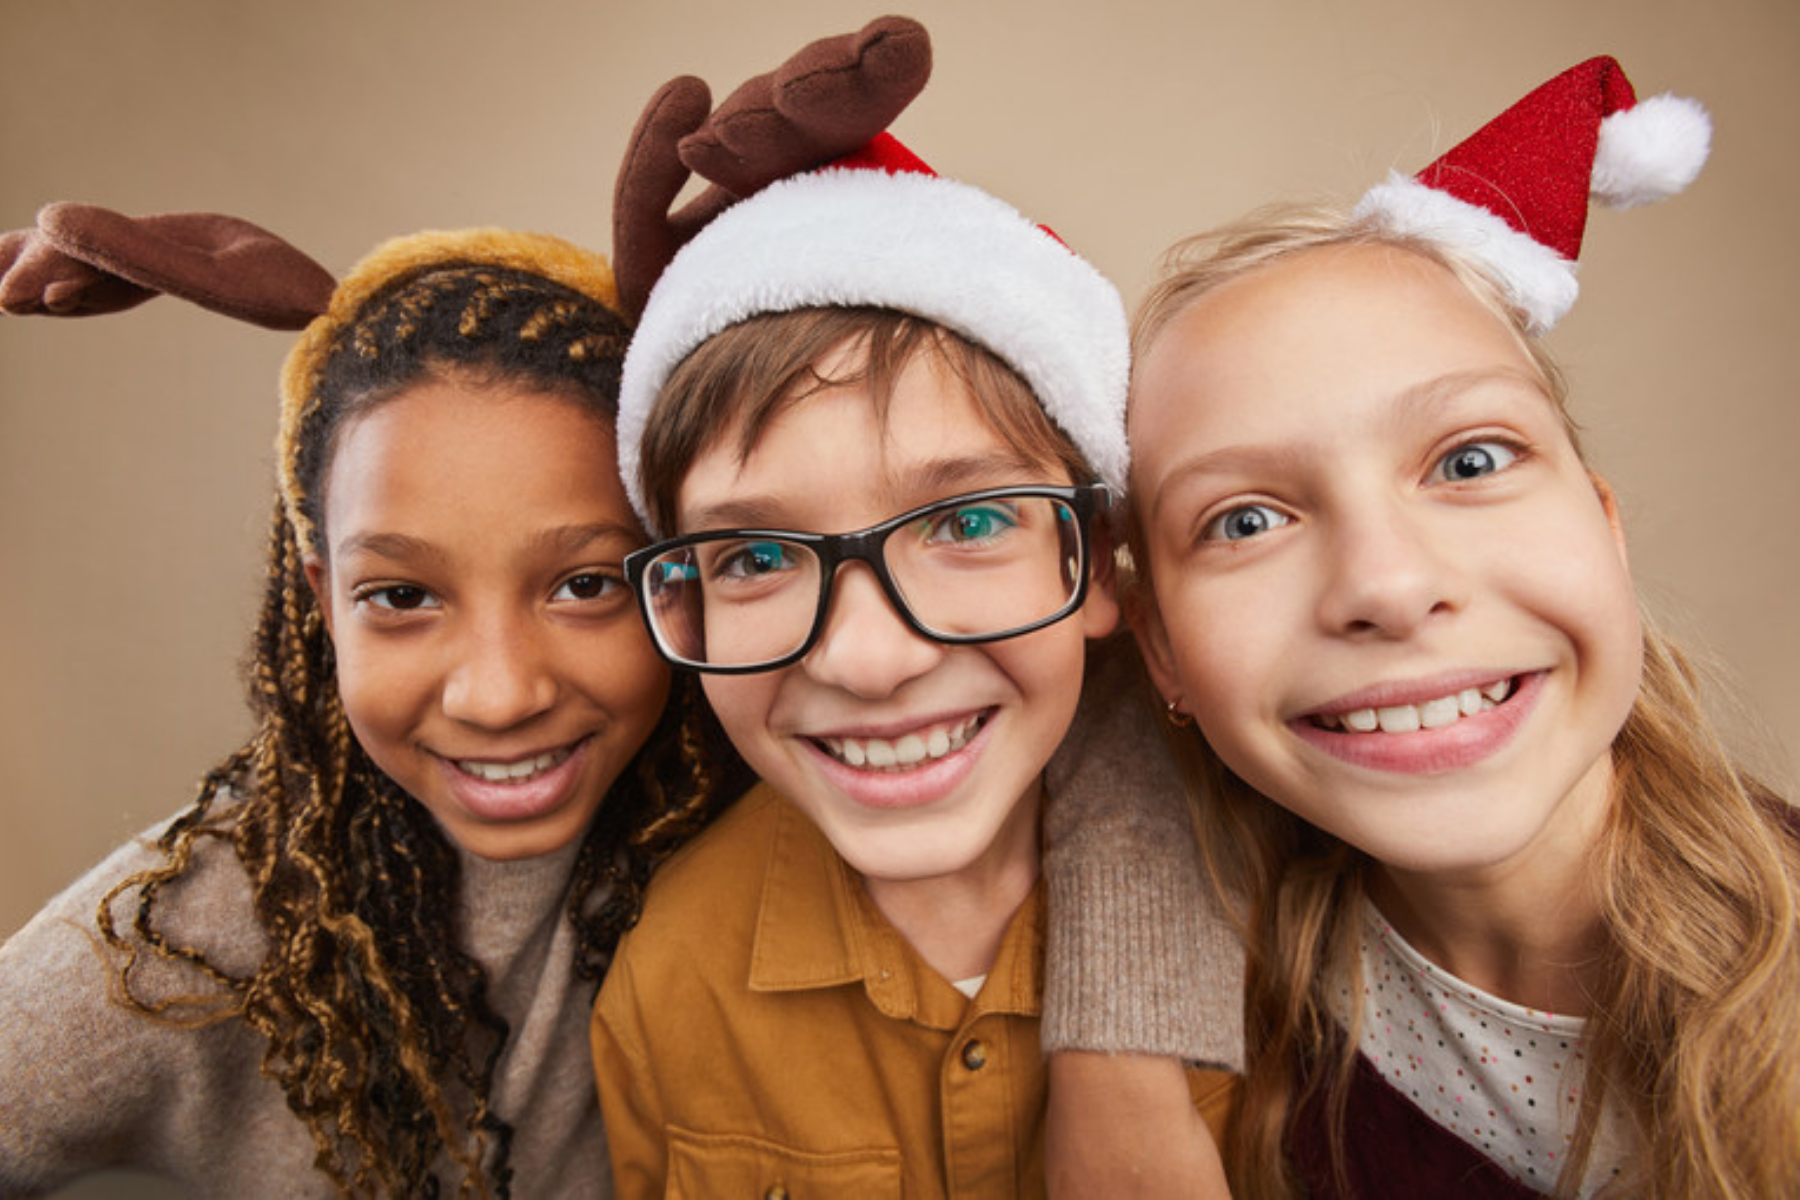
1693,1028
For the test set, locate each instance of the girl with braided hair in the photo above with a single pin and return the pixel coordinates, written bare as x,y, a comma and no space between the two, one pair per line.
387,911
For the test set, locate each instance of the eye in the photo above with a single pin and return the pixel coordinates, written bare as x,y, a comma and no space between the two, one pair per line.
588,585
1244,521
965,523
1474,460
398,597
751,560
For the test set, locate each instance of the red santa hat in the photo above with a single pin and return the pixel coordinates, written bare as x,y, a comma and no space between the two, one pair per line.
1515,194
880,228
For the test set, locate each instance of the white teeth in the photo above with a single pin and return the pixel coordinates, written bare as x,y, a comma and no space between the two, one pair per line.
1435,714
1402,718
513,772
1407,718
882,754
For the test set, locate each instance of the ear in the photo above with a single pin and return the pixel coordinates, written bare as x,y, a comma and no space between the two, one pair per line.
1609,503
318,578
1100,611
1153,644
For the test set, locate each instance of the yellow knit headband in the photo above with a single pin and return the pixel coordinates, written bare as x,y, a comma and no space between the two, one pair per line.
395,261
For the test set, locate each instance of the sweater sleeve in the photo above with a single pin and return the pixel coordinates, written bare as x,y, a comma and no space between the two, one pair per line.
88,1084
77,1091
1141,958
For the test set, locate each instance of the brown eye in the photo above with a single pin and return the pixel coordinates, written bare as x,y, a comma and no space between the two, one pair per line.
401,597
588,585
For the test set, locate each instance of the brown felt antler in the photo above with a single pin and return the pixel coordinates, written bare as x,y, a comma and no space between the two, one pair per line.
826,101
83,260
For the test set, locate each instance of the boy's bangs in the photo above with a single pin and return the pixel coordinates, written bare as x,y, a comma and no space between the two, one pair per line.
740,380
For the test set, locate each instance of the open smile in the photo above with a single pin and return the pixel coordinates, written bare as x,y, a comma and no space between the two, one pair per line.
1436,713
1456,729
923,745
518,771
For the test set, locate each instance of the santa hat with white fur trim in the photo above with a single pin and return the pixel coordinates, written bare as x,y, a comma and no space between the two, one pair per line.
881,229
1515,194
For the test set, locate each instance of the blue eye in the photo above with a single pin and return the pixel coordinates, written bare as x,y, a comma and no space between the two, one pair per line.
1244,521
1474,460
399,597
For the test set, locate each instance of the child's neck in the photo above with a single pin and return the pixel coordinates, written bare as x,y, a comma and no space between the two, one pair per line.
1526,931
957,922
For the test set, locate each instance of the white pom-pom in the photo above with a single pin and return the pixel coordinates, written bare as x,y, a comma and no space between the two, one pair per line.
1650,151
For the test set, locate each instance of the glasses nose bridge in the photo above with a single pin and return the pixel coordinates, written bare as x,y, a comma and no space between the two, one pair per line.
867,546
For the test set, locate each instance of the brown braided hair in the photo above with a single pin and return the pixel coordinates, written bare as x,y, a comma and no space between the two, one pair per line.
378,1027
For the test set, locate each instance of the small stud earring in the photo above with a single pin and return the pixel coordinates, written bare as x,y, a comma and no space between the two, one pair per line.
1175,717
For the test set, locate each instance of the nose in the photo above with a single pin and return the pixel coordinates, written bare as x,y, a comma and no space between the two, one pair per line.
1388,573
500,674
866,647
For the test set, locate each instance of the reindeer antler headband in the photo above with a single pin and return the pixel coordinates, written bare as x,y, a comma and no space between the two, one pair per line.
83,260
833,96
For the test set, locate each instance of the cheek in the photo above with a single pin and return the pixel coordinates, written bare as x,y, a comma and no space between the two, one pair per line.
742,704
636,686
380,690
1220,638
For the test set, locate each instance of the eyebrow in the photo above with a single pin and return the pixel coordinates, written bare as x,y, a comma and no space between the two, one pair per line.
931,480
559,539
1409,405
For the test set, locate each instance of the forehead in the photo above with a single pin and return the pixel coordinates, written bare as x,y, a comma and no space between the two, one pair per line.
1315,334
446,452
839,449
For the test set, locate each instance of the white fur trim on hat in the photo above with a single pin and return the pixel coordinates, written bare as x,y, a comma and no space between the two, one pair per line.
1535,277
917,243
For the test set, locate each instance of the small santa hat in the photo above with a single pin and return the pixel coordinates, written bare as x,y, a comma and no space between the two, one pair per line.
1515,194
880,228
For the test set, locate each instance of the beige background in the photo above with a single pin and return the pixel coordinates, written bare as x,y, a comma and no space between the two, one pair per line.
134,449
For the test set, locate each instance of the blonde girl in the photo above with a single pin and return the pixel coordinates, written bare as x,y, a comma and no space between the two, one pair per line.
1516,921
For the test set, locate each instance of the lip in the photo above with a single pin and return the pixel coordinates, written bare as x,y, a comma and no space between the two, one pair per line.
1412,691
1463,743
502,802
913,787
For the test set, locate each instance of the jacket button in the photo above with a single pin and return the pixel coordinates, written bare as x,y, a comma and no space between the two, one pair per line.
974,1055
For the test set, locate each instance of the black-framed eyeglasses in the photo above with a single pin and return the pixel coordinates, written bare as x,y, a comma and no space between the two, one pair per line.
979,567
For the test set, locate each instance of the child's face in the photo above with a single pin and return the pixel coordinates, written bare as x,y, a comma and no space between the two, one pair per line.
490,658
1361,507
986,717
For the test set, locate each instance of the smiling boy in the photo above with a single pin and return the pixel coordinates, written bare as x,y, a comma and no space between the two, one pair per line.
876,407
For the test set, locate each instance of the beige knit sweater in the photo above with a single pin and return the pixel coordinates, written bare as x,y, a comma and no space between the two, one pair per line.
86,1084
